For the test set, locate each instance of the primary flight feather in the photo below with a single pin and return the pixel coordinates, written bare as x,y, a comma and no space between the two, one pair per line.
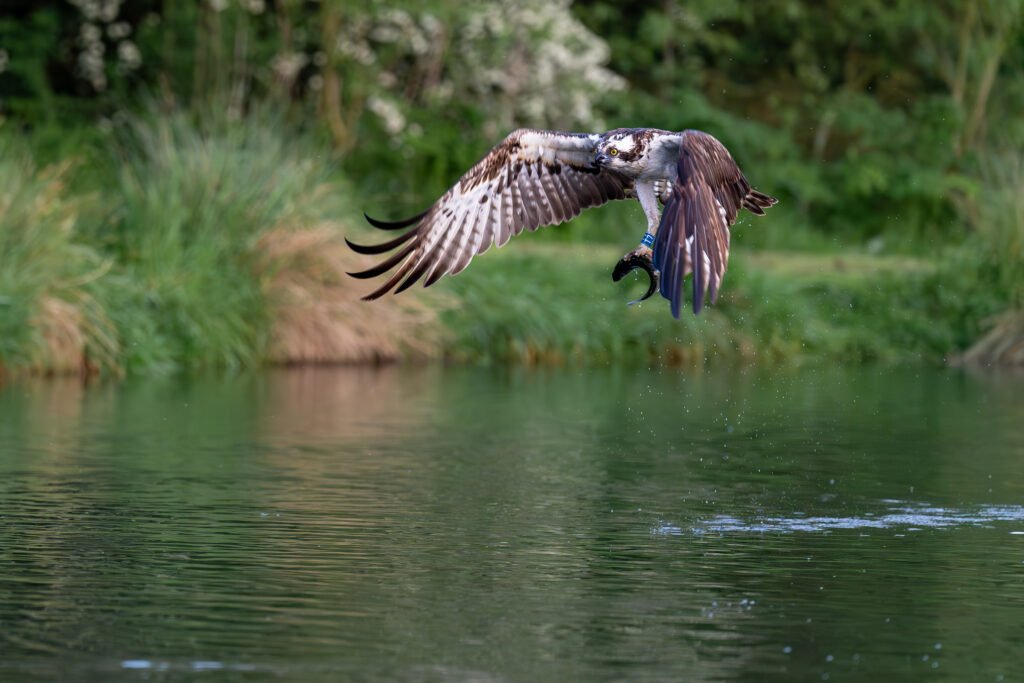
535,178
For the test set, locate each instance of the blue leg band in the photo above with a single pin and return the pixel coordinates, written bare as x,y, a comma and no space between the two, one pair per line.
648,240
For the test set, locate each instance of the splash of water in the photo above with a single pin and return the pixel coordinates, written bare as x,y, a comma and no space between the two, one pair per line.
897,515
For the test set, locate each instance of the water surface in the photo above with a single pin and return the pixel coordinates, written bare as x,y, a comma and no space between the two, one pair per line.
496,525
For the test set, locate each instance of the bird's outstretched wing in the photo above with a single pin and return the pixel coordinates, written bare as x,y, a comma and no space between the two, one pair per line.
531,179
694,231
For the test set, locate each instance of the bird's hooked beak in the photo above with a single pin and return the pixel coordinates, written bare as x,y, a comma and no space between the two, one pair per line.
631,262
601,160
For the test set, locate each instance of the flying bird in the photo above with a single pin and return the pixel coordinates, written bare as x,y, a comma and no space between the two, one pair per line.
535,178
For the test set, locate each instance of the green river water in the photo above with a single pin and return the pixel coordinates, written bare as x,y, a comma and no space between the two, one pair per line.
508,525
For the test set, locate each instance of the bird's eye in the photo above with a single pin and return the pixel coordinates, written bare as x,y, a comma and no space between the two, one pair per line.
614,152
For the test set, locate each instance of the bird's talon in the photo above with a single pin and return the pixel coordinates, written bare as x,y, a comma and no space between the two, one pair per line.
632,261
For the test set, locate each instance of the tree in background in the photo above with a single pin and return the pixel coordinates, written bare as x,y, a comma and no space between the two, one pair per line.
870,116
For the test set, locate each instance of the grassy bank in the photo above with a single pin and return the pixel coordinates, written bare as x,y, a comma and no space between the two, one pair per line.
546,303
999,258
51,313
173,246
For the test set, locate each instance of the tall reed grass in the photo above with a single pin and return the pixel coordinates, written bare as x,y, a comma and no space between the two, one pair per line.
998,262
50,317
191,206
223,230
200,245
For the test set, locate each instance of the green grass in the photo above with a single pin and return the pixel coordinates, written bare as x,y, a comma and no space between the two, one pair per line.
50,317
997,262
544,303
149,257
191,204
1000,224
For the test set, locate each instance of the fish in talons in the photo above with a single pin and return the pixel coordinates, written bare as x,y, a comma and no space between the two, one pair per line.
638,258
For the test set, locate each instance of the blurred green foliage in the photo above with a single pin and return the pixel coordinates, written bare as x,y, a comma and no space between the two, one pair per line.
868,118
48,278
883,125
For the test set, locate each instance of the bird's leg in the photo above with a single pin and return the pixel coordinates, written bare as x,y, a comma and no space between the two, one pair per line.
641,257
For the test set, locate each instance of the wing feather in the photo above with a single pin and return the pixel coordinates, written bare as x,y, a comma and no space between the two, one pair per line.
385,265
494,217
518,207
395,278
471,244
448,240
509,215
379,248
560,212
536,204
694,233
532,179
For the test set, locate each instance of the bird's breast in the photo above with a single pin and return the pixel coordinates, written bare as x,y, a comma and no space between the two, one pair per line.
663,189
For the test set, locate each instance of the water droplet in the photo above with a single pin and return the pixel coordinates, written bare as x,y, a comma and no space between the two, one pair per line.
136,664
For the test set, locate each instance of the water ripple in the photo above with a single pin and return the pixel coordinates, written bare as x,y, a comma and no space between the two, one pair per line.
898,515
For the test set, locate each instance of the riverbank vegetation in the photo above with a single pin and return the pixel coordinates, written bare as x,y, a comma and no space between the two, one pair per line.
176,180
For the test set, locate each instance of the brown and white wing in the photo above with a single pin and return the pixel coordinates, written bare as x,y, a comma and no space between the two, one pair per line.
533,178
694,232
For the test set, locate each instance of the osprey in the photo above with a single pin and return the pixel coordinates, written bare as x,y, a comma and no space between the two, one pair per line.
535,178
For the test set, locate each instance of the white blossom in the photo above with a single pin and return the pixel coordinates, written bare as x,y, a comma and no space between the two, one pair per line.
89,34
99,17
359,50
253,6
108,10
389,114
287,65
91,65
97,10
89,9
119,30
527,62
128,55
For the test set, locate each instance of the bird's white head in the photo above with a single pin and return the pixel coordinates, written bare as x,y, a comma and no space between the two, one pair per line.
624,150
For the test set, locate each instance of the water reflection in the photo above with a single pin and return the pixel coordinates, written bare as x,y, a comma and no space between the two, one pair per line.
457,524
